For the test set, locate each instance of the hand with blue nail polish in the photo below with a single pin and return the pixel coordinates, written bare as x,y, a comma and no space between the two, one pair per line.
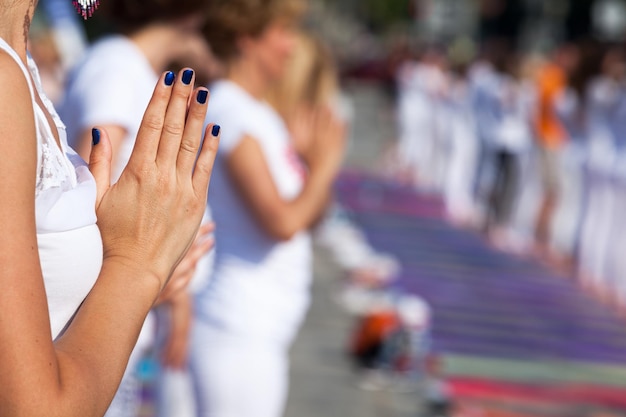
150,216
80,276
111,89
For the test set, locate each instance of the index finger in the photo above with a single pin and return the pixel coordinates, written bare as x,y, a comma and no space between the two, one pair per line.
149,134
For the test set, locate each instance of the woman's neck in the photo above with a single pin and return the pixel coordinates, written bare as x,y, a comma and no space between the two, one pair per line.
248,77
15,23
158,44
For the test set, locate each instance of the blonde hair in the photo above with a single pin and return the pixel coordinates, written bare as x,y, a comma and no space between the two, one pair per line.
310,78
227,21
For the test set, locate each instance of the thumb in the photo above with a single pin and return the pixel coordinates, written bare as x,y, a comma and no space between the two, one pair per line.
100,161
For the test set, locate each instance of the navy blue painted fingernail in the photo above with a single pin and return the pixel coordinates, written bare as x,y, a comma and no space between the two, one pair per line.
202,96
215,130
95,136
169,78
187,75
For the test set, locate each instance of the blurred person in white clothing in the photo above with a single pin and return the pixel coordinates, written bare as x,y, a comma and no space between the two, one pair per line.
311,82
265,202
462,167
421,85
602,222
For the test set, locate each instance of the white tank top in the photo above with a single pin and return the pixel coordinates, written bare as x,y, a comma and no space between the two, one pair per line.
69,242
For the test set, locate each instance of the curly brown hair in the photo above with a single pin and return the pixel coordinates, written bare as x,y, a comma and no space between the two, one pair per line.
130,15
229,20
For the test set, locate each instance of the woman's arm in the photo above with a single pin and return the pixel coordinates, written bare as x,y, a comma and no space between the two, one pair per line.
147,220
176,349
251,176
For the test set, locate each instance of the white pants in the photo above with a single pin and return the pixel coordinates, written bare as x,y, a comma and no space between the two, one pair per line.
237,376
565,229
175,394
174,387
462,168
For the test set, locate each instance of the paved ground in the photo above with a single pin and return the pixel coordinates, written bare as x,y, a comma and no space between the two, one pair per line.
322,381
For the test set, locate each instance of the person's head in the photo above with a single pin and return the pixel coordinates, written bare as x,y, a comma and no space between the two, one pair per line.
260,32
129,16
310,78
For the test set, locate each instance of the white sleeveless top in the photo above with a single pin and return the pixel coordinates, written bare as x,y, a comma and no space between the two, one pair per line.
69,242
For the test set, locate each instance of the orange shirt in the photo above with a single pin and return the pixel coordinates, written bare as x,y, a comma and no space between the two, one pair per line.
551,82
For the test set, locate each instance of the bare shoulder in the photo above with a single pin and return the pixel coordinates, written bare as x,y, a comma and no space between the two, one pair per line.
15,97
11,76
16,109
18,144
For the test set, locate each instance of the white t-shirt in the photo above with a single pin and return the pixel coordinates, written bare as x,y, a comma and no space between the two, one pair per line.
260,286
112,85
69,242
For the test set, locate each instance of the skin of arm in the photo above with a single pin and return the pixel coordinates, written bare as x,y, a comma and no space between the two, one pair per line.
78,374
248,170
176,349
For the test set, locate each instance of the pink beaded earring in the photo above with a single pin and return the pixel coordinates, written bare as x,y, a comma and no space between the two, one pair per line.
85,8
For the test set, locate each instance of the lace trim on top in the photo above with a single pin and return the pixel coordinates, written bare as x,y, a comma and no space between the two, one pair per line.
52,173
53,168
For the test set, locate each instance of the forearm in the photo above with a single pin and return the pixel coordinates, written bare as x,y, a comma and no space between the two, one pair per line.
181,310
93,353
304,211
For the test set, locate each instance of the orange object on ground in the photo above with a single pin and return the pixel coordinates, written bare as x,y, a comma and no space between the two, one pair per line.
373,329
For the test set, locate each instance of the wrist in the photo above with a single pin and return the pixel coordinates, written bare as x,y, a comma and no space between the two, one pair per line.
322,173
180,299
136,277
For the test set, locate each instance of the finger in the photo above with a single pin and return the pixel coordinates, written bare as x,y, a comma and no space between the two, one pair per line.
200,249
192,136
100,161
206,228
206,159
174,287
174,123
149,134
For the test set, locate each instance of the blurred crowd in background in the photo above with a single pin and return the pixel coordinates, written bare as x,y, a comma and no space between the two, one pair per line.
521,130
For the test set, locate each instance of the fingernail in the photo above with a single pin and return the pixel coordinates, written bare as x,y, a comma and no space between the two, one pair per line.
202,96
215,130
187,75
95,136
169,78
